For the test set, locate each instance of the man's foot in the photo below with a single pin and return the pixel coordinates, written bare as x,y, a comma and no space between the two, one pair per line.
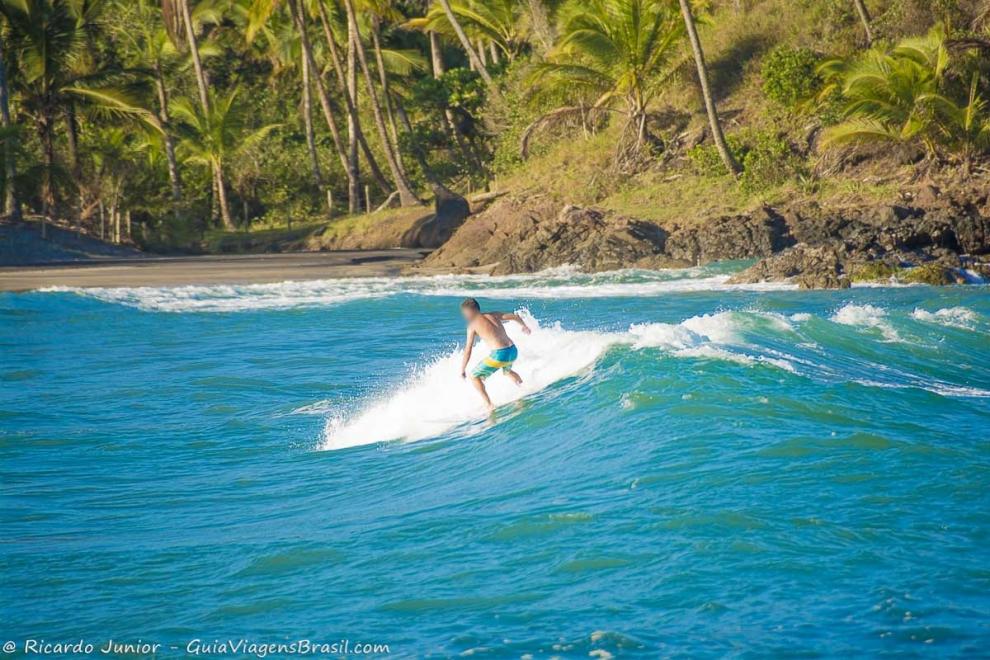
515,377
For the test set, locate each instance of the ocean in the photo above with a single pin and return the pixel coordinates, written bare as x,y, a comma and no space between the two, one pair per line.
690,468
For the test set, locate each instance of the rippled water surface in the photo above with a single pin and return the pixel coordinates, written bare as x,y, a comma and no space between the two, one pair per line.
689,467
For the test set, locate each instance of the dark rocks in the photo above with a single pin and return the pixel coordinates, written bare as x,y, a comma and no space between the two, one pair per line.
512,237
813,245
450,212
589,239
811,267
731,237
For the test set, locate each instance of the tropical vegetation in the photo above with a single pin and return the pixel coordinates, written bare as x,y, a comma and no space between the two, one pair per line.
159,121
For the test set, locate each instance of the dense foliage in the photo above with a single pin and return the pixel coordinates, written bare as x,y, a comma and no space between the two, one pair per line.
159,120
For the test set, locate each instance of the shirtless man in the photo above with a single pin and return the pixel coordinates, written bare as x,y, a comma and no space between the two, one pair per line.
488,326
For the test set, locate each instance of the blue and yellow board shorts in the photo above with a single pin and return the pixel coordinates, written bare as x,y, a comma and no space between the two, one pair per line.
500,358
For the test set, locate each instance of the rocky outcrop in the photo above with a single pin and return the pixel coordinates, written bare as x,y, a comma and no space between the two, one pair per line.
450,212
759,234
921,239
811,267
514,236
935,238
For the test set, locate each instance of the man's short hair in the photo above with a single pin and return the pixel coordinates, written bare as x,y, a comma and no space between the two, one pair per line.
471,303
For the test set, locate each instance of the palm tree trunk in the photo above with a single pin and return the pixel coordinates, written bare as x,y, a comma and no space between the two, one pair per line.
406,195
482,53
48,191
228,221
436,56
204,99
864,16
201,82
350,101
114,223
173,163
699,60
465,42
383,80
307,115
72,141
321,92
11,204
352,118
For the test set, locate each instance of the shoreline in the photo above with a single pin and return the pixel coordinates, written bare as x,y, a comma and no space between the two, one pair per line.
211,269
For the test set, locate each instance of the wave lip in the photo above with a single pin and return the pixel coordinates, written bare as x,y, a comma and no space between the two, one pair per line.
866,316
955,317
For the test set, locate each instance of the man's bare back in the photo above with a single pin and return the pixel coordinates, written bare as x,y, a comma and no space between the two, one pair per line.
488,326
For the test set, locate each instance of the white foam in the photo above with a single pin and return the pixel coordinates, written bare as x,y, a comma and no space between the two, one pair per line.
436,400
554,283
956,317
866,316
935,387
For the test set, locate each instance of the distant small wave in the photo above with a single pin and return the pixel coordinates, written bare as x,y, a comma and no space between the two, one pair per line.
867,316
557,283
956,317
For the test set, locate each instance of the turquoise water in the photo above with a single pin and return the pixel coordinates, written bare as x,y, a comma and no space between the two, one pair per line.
690,468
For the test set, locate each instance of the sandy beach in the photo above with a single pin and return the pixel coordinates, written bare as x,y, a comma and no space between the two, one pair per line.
239,269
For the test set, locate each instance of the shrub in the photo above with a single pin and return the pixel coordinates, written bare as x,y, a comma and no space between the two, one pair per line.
766,160
873,271
790,76
707,161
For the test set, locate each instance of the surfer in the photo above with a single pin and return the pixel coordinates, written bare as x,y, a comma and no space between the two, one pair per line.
488,326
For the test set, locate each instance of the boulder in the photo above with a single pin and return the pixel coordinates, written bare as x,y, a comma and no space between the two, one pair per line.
513,236
811,267
758,234
450,212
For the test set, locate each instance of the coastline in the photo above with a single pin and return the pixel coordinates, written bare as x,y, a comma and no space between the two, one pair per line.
227,269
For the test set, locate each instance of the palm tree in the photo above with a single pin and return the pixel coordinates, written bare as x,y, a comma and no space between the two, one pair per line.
306,108
864,16
392,156
349,93
502,23
699,60
151,45
179,21
47,40
348,165
11,204
616,53
211,139
114,160
465,42
904,95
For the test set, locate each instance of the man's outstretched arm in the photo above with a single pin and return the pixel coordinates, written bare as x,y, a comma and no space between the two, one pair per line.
512,316
468,347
